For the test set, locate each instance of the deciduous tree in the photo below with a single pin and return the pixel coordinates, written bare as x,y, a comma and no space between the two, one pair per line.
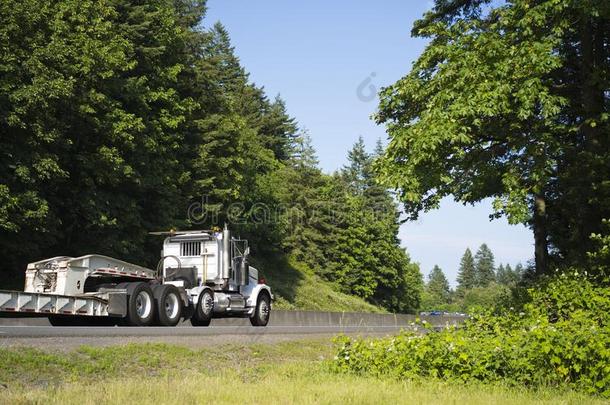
507,101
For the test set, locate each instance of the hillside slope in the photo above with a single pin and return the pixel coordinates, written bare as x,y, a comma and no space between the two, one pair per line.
297,287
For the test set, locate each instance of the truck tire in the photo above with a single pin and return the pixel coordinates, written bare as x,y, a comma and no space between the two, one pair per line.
204,309
261,314
168,304
140,304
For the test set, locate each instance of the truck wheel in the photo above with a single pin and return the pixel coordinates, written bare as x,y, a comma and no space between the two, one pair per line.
204,309
140,304
260,317
169,305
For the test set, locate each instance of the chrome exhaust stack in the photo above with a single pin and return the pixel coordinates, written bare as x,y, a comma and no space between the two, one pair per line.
226,254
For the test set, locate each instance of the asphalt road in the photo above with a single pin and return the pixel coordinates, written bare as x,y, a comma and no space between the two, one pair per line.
283,326
53,339
115,331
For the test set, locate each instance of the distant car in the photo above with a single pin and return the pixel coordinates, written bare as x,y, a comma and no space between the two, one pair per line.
436,313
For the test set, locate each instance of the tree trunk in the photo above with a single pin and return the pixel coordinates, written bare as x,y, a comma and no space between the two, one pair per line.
541,248
591,166
593,60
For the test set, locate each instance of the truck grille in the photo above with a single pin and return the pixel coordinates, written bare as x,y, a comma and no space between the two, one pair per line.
190,249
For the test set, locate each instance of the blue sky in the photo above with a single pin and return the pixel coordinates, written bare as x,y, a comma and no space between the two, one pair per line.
327,59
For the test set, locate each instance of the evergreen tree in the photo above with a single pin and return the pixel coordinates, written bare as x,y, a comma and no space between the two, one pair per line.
379,149
508,276
513,276
278,129
357,173
380,200
303,155
501,273
438,286
484,266
519,270
466,277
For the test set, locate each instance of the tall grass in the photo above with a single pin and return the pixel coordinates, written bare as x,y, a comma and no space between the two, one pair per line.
293,383
288,373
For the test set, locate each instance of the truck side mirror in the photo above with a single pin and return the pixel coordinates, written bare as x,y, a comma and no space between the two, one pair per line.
247,252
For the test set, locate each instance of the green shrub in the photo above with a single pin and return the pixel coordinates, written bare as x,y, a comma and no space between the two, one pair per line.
560,339
599,258
491,296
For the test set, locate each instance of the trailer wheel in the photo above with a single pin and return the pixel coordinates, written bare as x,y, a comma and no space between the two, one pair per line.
140,304
169,305
260,317
204,309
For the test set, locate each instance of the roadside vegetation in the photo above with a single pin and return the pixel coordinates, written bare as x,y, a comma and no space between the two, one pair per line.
560,339
296,372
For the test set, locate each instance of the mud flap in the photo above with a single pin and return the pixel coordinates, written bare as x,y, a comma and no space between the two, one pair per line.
117,304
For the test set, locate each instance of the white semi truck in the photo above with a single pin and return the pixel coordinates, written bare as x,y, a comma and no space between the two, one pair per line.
201,275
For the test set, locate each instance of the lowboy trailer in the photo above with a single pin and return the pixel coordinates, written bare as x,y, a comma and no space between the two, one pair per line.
201,275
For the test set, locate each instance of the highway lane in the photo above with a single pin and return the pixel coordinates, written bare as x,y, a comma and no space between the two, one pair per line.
116,331
61,339
283,326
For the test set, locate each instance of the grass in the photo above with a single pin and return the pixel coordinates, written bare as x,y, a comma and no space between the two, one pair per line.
297,287
294,372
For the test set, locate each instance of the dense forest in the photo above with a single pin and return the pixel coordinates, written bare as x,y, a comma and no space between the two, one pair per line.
118,118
